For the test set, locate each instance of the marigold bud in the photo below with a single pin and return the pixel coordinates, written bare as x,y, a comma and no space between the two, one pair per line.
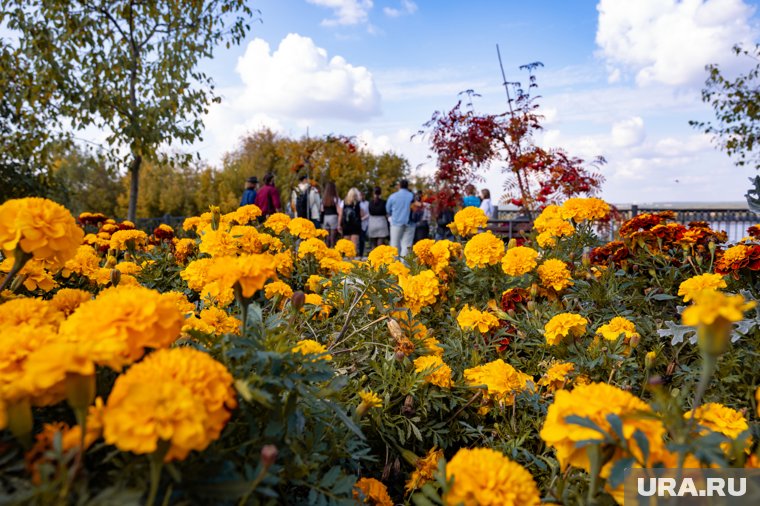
269,455
649,359
17,282
110,262
395,329
20,420
80,390
297,300
512,243
711,247
115,277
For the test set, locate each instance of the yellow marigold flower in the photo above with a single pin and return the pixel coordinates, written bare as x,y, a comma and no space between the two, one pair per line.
438,372
549,214
422,249
313,246
302,228
441,253
66,300
468,221
249,271
382,255
398,269
316,300
248,239
183,249
243,215
18,343
277,222
220,321
696,284
35,274
617,326
563,325
551,225
179,299
179,395
284,263
425,469
372,491
128,267
554,274
218,243
719,418
485,477
519,260
85,262
556,376
191,223
595,401
370,399
275,288
47,368
583,209
345,248
39,227
314,283
712,305
472,319
128,239
29,311
126,224
122,322
196,273
311,347
502,381
420,291
484,249
433,346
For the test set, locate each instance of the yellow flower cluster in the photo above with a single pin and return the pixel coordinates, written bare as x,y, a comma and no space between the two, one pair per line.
472,319
373,492
584,209
468,221
483,249
502,381
436,371
181,396
39,227
616,327
420,291
382,255
711,305
345,248
250,272
519,260
303,228
311,347
485,477
595,401
314,247
719,418
690,288
424,470
275,288
277,222
555,274
551,225
556,376
243,215
564,325
437,254
128,240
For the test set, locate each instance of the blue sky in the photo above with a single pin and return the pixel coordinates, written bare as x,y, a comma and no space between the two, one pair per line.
621,80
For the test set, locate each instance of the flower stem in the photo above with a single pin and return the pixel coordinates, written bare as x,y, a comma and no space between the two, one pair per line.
21,258
156,460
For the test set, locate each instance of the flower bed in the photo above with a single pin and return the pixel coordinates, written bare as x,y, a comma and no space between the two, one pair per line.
237,362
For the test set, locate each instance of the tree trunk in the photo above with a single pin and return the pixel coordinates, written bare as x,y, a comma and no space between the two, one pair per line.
134,172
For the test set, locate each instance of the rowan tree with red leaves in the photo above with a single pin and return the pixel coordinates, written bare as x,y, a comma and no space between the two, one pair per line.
466,142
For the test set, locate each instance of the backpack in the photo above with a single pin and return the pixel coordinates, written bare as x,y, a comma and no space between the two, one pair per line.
302,204
351,217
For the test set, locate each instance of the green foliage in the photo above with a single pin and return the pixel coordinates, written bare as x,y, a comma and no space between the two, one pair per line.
736,104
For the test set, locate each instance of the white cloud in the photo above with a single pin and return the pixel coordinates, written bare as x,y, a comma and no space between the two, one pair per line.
407,7
628,133
670,41
299,81
347,12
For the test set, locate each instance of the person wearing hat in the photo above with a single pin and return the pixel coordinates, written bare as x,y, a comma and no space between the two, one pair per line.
249,195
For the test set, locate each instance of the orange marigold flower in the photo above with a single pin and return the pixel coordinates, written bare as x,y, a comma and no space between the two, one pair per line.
373,492
555,274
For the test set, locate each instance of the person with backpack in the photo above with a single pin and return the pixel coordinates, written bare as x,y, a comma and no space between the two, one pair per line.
330,206
350,217
399,210
377,231
268,198
304,200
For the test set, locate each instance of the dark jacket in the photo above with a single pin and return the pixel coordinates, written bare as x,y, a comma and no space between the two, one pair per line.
249,197
268,199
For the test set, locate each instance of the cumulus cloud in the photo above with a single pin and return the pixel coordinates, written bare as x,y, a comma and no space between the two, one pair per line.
347,12
628,133
406,7
670,41
299,81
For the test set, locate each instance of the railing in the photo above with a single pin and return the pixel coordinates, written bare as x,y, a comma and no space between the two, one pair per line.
509,222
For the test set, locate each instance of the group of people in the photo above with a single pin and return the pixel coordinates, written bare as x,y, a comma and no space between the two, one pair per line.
402,220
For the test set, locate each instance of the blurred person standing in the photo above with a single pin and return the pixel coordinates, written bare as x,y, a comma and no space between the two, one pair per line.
364,204
420,218
485,203
398,208
377,230
470,199
304,200
350,217
249,195
268,198
330,203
